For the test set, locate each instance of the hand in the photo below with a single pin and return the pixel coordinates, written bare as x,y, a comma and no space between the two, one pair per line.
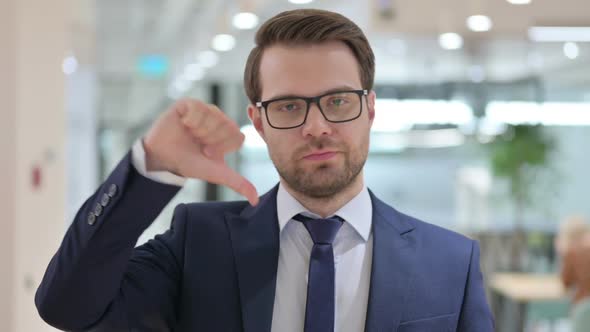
191,139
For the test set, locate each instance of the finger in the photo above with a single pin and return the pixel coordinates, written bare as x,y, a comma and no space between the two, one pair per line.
215,109
180,108
193,113
225,125
227,144
218,134
210,124
219,126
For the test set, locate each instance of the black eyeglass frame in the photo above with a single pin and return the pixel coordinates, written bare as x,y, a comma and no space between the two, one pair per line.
309,101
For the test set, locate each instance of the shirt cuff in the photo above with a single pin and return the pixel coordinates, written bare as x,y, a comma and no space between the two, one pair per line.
138,161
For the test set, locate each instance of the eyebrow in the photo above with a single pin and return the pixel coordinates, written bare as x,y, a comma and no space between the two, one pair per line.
336,89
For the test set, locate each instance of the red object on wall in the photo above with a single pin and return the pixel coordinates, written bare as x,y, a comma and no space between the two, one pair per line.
36,177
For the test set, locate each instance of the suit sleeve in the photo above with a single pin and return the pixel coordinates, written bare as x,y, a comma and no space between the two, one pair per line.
97,281
475,312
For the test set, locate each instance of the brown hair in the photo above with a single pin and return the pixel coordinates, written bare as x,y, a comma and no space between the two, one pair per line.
308,26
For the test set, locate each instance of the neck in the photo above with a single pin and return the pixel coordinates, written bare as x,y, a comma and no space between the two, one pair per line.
327,206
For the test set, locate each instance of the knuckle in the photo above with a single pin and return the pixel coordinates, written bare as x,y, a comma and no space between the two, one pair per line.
194,102
186,120
199,131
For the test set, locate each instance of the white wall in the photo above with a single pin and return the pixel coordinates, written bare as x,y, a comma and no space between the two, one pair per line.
7,165
32,130
81,141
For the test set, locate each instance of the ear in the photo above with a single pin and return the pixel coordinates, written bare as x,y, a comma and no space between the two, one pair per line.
371,105
255,115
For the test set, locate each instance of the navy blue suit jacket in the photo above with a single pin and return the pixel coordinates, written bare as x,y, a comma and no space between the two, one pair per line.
215,269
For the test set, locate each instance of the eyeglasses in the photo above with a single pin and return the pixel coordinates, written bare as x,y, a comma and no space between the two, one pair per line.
291,112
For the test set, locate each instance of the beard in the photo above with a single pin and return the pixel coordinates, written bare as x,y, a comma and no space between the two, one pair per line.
324,179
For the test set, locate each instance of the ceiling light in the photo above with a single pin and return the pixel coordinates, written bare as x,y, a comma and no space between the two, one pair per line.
450,41
208,58
69,65
571,50
223,42
245,21
300,2
479,23
194,72
559,34
519,2
181,84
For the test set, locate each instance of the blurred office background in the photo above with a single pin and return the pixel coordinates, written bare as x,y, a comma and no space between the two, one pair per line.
483,122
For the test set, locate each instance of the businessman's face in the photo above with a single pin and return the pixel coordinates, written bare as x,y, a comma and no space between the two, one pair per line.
319,158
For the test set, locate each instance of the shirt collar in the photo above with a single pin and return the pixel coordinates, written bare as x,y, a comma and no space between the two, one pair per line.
358,212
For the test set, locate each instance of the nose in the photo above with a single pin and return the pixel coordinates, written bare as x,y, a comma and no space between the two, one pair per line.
316,124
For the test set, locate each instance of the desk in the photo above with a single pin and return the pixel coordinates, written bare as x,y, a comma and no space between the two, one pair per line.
522,288
526,287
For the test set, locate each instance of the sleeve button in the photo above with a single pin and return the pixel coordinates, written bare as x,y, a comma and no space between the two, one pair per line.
91,218
113,190
98,209
105,200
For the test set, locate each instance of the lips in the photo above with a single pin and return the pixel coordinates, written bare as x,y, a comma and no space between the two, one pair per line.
320,155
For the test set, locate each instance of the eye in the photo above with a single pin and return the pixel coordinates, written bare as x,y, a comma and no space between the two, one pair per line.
289,107
338,101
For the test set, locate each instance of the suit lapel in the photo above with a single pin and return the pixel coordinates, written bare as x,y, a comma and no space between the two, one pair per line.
391,272
255,241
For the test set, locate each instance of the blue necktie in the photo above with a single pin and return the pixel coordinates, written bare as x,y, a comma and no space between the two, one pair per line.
319,310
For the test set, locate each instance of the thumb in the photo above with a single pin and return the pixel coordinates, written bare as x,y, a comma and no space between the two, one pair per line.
222,174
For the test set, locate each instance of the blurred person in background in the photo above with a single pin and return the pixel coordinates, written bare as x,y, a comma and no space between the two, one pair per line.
573,247
317,253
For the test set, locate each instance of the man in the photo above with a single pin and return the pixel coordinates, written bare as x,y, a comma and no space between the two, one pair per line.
576,276
572,244
317,253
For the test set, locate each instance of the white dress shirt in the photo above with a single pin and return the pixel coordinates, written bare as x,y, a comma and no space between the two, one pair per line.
353,252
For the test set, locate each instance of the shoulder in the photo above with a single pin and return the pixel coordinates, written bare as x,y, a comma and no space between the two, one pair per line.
427,237
436,234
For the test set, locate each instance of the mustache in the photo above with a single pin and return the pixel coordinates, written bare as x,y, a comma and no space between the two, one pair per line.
318,144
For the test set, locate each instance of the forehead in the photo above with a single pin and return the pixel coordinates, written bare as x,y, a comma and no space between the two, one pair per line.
307,70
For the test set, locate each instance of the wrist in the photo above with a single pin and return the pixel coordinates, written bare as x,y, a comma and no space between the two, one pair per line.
151,164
